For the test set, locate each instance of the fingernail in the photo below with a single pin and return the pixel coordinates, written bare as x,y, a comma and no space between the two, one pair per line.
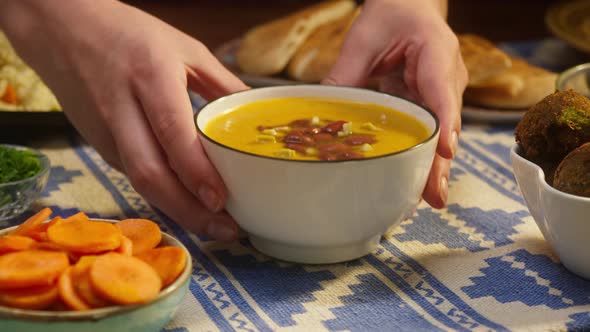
221,231
209,198
454,142
444,189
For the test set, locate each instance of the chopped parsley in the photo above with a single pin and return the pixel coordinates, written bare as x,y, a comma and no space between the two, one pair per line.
16,165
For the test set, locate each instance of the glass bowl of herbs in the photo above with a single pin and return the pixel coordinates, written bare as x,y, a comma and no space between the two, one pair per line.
23,176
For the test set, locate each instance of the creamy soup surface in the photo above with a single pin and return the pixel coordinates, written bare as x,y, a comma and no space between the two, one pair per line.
308,128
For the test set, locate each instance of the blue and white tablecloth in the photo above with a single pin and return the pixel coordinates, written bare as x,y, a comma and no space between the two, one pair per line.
480,264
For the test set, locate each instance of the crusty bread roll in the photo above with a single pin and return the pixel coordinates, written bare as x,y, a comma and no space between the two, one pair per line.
482,59
519,87
314,59
266,49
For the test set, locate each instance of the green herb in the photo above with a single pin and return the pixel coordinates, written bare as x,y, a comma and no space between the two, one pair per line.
574,118
17,165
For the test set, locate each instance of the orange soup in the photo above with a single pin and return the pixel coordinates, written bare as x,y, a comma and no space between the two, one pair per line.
307,128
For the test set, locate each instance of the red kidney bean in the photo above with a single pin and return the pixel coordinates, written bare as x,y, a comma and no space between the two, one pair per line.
349,155
293,138
327,156
300,123
323,137
360,139
334,147
296,131
304,135
334,127
309,141
297,147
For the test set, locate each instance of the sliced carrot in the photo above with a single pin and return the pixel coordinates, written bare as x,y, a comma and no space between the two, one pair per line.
31,268
30,298
44,226
169,262
80,216
48,246
9,95
74,257
85,262
32,223
12,243
145,234
126,247
124,279
81,280
38,236
67,292
85,237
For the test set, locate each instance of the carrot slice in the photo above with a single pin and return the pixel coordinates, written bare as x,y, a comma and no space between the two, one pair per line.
44,226
67,292
31,268
30,298
169,262
85,262
126,247
48,246
12,243
145,234
81,280
124,279
80,216
9,95
85,237
38,236
32,223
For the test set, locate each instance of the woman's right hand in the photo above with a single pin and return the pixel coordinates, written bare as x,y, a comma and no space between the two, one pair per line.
121,76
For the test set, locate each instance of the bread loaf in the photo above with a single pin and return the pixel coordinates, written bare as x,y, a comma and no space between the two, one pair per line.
267,48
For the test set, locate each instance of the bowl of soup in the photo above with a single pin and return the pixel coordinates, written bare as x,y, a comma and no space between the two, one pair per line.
317,174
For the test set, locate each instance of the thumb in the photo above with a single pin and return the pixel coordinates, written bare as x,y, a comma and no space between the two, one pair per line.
356,60
352,68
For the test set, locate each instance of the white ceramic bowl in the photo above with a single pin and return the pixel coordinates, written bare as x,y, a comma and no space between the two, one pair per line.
318,211
561,217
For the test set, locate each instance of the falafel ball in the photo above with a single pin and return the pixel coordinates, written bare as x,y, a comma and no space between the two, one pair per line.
555,126
573,173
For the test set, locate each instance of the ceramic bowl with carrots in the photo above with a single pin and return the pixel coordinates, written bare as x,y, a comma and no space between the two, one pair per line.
76,274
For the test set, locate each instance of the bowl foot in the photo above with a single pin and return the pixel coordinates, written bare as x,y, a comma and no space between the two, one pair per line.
315,254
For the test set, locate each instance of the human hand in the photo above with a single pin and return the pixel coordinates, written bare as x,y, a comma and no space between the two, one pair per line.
121,76
410,47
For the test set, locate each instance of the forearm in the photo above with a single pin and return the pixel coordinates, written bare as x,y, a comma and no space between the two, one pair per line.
48,34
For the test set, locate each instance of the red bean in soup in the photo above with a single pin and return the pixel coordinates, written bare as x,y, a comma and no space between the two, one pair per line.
316,129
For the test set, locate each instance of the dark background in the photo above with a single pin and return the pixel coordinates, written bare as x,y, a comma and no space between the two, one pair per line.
216,21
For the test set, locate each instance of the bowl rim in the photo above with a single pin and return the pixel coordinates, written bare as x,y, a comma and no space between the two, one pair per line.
515,150
434,134
100,313
45,163
561,77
